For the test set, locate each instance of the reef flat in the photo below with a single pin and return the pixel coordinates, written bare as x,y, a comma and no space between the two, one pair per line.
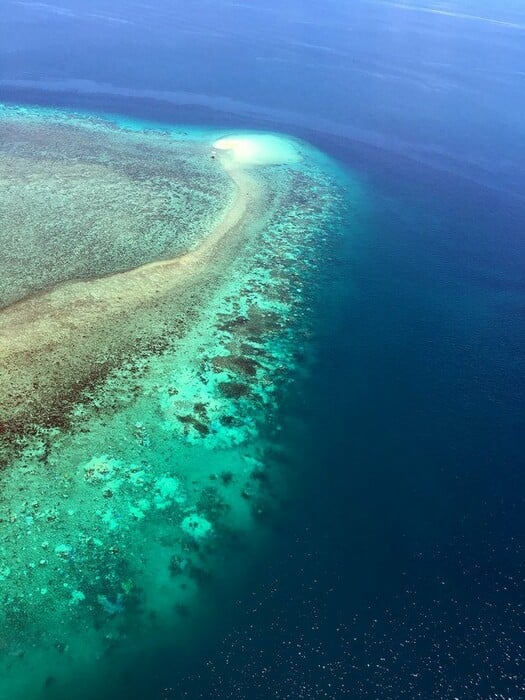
141,378
81,198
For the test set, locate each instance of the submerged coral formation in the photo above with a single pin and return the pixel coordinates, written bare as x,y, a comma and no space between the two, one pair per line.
150,480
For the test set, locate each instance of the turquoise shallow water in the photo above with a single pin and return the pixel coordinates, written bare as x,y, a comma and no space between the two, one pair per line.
160,484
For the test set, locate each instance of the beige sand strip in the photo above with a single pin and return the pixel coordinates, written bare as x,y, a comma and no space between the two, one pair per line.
56,343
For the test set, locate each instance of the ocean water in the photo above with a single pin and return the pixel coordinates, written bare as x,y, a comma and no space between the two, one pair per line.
395,567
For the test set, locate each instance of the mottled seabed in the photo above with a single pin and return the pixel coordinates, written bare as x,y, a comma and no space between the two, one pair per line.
156,308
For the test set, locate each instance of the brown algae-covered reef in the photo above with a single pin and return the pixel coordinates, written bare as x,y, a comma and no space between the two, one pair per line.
155,310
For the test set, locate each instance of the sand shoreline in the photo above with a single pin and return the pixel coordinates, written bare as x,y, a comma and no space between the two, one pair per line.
55,343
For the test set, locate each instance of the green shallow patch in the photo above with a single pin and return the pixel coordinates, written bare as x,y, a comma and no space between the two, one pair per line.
118,529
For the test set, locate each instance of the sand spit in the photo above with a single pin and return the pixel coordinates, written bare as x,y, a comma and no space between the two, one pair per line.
57,342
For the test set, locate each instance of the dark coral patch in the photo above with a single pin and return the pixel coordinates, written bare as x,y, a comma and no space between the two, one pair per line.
257,325
201,427
242,365
233,390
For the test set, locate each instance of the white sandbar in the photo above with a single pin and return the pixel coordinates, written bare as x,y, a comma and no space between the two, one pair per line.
259,149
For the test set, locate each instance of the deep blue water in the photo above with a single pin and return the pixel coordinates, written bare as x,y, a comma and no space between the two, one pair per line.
399,573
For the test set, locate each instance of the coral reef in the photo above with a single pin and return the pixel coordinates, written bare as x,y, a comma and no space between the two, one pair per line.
154,483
